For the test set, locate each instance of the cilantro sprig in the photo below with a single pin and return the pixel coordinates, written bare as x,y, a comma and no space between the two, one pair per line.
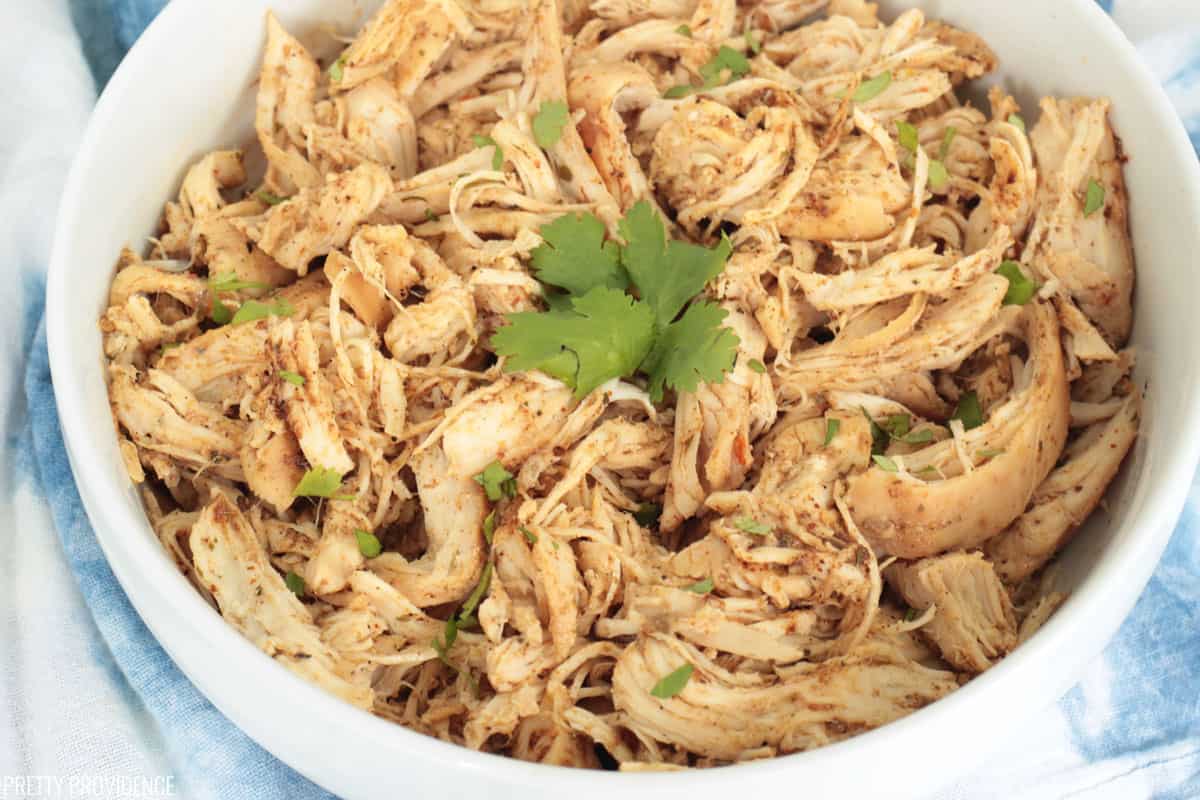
673,682
598,332
727,65
549,122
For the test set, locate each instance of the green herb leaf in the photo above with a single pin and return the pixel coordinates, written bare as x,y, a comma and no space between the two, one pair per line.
607,334
294,583
489,526
928,472
700,587
910,614
497,154
368,543
667,273
756,366
832,426
294,378
165,346
988,452
937,174
752,43
529,535
673,683
695,348
269,198
751,526
879,437
252,310
1017,120
726,59
497,482
947,140
969,411
430,216
221,313
1020,288
676,92
1095,198
907,134
897,425
477,594
886,464
337,68
870,89
575,256
548,123
684,30
647,515
320,482
230,282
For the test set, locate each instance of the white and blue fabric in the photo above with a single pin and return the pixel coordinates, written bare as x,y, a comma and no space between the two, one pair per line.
86,692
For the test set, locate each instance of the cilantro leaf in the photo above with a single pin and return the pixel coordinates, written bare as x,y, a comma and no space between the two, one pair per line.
548,123
368,543
752,43
294,378
575,256
751,526
832,426
221,313
647,515
253,310
676,92
497,154
481,588
667,273
969,411
938,175
489,526
1017,120
337,68
756,366
320,482
726,59
886,464
673,683
605,335
497,482
870,89
1095,198
907,133
696,347
684,30
294,583
700,587
879,437
1020,288
270,198
529,535
947,140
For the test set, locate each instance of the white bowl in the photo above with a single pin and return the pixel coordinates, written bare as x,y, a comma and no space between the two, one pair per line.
187,87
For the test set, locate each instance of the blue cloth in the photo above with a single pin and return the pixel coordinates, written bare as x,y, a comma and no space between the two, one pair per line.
1130,729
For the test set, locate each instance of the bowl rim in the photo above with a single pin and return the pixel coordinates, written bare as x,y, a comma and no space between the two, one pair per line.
159,583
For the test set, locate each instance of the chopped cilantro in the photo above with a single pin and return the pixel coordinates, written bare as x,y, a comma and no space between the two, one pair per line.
368,543
294,583
529,535
684,30
489,526
910,614
751,526
947,140
497,482
700,587
870,89
497,154
676,92
253,309
886,464
548,123
337,68
221,313
1020,288
938,176
832,426
673,683
969,411
756,366
929,472
647,515
726,59
575,256
294,378
320,482
1017,120
269,198
430,216
477,594
988,452
752,43
907,134
879,437
1095,198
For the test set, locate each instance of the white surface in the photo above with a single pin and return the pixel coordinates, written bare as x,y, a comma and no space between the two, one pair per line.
171,101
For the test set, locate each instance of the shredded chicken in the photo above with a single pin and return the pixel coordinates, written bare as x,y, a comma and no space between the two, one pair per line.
930,392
